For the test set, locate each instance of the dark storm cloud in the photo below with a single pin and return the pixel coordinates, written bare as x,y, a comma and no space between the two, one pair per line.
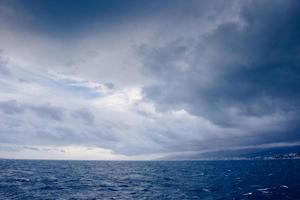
253,69
182,75
54,17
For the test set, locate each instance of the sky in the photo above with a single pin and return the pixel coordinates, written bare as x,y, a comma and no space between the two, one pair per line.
139,80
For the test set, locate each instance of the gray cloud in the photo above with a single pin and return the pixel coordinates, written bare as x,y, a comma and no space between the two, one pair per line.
192,76
27,124
45,111
48,111
84,115
11,107
249,69
243,76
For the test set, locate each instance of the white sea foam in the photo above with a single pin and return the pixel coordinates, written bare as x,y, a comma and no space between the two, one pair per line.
284,186
263,189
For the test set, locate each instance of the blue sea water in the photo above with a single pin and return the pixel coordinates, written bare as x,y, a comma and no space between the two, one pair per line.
28,179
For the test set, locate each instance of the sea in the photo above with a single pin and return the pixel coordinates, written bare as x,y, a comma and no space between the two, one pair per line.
207,180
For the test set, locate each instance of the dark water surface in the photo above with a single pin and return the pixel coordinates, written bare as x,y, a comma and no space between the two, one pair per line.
25,179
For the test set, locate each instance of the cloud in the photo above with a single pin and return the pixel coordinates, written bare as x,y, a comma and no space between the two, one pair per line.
4,71
45,111
11,107
48,111
188,77
85,115
237,70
